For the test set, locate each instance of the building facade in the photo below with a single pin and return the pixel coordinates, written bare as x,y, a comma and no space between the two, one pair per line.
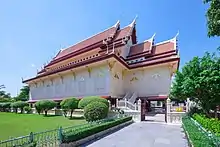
109,64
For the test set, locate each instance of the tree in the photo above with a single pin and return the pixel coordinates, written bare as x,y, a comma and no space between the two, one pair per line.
24,94
3,94
45,105
69,105
20,105
213,17
200,81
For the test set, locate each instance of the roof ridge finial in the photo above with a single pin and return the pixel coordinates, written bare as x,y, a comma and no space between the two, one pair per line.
177,34
133,22
116,24
151,39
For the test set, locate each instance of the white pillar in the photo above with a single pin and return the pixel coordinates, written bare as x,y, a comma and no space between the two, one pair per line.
139,105
168,110
136,106
125,102
187,105
109,104
116,103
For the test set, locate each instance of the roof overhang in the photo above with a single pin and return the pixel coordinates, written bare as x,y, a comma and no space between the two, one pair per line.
101,59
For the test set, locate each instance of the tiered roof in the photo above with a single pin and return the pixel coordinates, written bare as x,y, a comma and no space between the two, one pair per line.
142,54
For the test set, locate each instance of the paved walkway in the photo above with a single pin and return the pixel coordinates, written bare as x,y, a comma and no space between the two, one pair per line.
144,134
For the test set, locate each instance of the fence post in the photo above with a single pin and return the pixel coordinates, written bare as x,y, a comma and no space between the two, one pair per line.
31,137
60,134
125,102
110,105
168,115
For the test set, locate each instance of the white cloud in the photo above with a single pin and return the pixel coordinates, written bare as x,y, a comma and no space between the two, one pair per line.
32,65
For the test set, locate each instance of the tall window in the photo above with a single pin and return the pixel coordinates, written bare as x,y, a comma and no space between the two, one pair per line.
99,83
82,85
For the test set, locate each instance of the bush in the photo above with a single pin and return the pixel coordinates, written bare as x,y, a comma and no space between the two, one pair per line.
211,124
198,138
86,100
90,129
95,111
69,105
5,107
20,105
45,105
27,109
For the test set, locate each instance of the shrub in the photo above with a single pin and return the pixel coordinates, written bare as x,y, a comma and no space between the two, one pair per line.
69,105
95,111
20,105
198,138
5,107
27,109
90,129
85,101
211,124
45,105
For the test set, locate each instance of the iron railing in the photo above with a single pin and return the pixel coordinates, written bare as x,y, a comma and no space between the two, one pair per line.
49,138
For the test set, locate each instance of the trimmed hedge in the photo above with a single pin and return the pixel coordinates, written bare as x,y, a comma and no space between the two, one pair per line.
87,100
95,111
5,107
88,130
45,105
211,124
20,105
27,109
198,138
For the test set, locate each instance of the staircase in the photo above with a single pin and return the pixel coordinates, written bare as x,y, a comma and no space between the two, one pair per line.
128,102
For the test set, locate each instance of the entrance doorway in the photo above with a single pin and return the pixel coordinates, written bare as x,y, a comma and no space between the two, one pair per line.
153,109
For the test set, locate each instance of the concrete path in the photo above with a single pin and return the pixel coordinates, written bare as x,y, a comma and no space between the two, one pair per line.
144,134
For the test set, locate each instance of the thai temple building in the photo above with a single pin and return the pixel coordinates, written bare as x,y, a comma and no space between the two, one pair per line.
111,64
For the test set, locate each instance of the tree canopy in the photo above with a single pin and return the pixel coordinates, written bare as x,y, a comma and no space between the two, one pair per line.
24,94
213,17
199,80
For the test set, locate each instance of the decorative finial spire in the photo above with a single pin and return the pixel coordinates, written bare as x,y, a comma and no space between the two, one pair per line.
117,24
151,39
177,34
133,22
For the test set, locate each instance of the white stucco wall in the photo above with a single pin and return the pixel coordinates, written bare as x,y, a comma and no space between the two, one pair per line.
116,84
151,81
82,85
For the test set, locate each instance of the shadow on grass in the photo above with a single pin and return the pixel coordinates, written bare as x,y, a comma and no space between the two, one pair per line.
76,117
50,115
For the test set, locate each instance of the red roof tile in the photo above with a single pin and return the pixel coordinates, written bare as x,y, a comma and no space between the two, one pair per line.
123,32
92,40
139,48
163,47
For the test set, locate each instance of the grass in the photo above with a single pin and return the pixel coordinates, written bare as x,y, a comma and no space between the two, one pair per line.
15,125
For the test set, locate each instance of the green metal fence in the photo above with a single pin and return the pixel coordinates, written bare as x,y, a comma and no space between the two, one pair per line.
49,138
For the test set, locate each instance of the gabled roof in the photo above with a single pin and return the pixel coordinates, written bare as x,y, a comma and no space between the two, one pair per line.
140,48
89,41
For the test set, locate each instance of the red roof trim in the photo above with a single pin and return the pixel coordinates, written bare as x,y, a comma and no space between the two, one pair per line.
154,58
148,55
100,58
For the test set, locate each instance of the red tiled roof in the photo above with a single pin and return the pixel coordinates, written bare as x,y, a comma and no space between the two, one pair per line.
163,47
94,39
140,48
123,32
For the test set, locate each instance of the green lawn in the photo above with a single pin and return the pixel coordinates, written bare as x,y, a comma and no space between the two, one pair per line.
15,125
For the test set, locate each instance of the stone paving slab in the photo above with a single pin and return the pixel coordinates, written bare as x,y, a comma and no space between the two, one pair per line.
144,134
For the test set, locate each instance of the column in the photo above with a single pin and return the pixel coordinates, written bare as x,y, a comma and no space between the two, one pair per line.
168,105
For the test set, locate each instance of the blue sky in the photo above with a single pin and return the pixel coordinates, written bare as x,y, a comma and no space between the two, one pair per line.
32,32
